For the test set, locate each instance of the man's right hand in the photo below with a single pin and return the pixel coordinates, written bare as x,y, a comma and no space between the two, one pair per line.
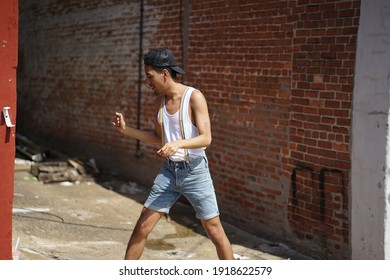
119,122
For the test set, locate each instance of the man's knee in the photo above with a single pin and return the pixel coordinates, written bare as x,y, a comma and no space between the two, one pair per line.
214,230
142,228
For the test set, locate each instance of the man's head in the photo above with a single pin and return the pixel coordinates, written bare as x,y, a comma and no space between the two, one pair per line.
161,59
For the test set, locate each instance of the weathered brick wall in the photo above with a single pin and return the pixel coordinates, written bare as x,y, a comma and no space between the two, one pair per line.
278,77
324,47
240,56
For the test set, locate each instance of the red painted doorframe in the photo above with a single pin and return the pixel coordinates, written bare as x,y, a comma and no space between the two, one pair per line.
8,60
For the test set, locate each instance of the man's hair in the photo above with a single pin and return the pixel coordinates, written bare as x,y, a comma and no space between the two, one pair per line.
160,69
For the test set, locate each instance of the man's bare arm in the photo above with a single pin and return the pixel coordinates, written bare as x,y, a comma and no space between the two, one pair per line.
147,136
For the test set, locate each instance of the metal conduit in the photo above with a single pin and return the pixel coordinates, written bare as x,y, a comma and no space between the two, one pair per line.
138,152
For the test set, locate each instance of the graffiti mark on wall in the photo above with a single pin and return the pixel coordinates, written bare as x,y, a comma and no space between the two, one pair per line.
318,204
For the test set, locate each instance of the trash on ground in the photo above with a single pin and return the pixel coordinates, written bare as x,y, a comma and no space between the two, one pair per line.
28,149
55,167
131,188
49,172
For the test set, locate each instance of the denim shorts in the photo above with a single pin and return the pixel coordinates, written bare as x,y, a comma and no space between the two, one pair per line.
192,180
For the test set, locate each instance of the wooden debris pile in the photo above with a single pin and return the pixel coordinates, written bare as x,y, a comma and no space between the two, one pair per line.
49,170
58,171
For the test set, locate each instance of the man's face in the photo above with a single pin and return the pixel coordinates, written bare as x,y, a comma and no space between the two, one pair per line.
154,79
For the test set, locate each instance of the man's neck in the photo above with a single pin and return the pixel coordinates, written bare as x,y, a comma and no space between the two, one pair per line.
175,91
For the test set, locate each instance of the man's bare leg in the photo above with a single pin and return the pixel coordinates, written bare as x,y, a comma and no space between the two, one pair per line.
145,224
217,235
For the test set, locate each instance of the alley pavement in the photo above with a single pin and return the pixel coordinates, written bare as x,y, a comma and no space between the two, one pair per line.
92,219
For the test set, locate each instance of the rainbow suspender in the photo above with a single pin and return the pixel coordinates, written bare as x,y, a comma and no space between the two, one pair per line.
181,122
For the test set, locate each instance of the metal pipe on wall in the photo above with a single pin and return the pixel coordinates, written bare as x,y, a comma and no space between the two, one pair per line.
185,31
138,152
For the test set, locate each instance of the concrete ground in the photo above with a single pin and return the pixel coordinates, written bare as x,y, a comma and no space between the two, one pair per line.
92,220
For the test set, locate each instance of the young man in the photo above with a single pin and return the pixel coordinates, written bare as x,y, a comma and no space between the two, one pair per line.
183,130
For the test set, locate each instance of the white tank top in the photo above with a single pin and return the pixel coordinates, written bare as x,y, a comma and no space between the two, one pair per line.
172,128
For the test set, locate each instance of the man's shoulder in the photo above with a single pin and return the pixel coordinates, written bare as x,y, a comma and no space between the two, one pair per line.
194,91
197,98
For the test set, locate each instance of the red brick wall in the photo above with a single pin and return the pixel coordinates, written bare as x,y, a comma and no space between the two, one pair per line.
323,59
240,56
278,77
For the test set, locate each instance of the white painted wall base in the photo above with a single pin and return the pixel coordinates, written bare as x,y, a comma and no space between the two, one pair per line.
370,174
